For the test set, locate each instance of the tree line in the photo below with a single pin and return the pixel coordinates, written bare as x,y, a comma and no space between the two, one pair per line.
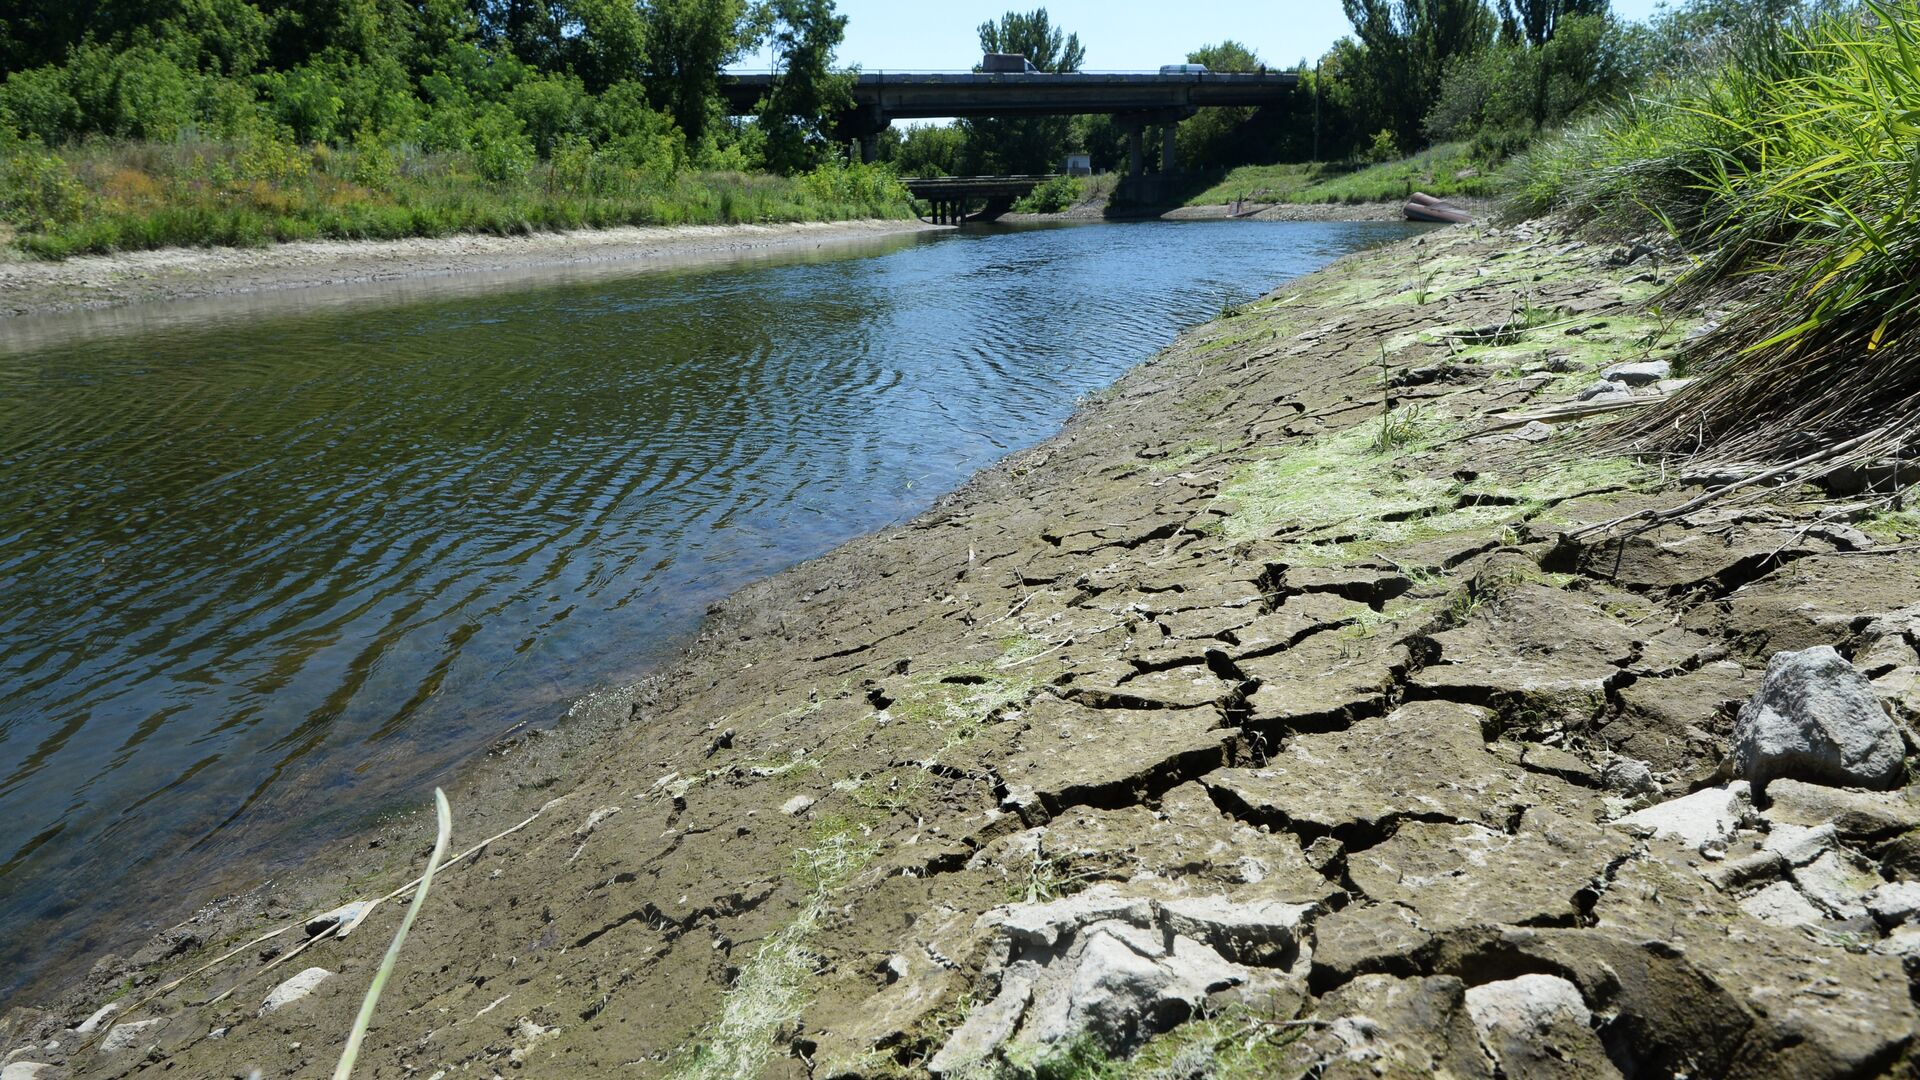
1412,73
634,84
511,82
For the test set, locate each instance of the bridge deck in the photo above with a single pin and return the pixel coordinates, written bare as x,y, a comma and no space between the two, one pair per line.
960,187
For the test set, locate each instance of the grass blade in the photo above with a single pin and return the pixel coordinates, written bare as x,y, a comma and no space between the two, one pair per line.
360,1024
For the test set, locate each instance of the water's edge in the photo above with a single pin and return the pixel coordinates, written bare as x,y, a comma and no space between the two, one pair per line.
180,277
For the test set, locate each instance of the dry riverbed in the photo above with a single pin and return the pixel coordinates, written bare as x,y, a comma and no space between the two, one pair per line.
30,287
1245,727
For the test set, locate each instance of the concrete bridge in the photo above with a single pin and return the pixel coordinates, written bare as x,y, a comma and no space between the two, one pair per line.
951,195
1134,100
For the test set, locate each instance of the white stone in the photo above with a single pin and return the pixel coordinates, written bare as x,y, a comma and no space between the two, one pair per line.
1895,902
1640,374
1815,718
1117,968
1706,817
987,1026
129,1035
1903,943
1208,918
1782,905
1528,1003
27,1070
345,918
1046,923
1835,884
1604,390
1629,776
1538,1026
799,804
1800,845
294,989
92,1023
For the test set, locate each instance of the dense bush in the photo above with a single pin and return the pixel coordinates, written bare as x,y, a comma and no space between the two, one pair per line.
251,121
1790,170
488,76
1518,88
117,196
1052,197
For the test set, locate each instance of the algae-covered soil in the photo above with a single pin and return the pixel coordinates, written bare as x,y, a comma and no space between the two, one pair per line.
1294,713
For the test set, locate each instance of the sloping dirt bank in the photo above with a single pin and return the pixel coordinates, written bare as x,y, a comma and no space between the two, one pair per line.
28,287
1246,727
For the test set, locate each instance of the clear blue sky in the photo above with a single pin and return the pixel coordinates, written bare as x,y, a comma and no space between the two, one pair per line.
1127,34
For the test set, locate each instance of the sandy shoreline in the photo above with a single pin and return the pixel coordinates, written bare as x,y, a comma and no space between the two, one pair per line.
30,288
99,281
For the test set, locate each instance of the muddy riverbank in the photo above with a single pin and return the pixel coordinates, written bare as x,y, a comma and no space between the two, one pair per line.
1295,711
30,287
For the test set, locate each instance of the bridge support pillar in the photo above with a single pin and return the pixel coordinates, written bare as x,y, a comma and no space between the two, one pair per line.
870,148
1136,159
1167,161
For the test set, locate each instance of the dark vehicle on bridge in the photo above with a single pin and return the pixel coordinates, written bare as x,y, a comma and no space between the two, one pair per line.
996,63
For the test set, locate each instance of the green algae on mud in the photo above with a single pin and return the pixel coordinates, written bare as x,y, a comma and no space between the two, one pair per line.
1341,496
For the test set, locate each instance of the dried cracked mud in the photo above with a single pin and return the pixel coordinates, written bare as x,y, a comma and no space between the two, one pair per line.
1240,729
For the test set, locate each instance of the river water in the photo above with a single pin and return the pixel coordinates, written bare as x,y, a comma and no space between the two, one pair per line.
265,570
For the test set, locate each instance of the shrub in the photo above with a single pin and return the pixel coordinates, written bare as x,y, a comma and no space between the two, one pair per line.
863,188
634,134
571,166
153,98
37,102
1051,197
501,151
550,108
37,189
305,100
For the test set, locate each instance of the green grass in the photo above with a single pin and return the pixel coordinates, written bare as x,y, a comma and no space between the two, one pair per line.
1436,172
1790,172
104,197
773,988
1232,1043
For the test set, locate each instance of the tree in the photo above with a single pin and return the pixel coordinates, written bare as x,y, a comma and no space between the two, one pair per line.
1024,145
1535,21
606,42
1033,36
925,150
1499,97
806,91
1405,48
688,43
1210,139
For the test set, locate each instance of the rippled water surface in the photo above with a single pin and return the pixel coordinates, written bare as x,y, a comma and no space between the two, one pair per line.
262,570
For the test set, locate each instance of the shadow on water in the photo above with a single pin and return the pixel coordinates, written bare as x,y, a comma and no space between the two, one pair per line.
273,565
